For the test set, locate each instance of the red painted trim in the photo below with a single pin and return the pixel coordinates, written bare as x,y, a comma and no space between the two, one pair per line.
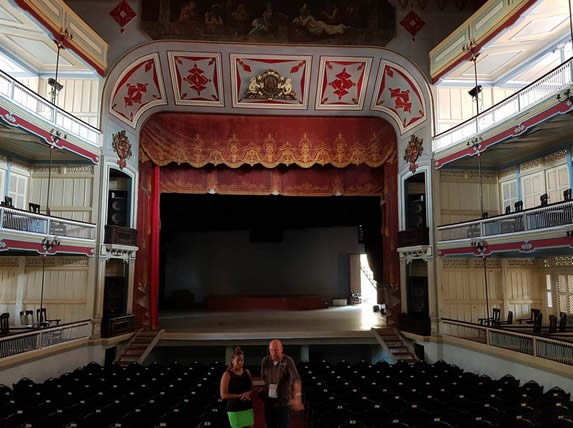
465,57
12,244
60,143
57,36
525,246
154,247
562,107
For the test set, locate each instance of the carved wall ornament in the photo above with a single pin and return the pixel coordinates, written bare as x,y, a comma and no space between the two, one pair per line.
521,263
270,85
122,147
506,172
534,163
553,157
413,151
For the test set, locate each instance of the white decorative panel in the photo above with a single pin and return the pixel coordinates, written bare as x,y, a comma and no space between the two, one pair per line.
342,83
138,88
196,78
254,80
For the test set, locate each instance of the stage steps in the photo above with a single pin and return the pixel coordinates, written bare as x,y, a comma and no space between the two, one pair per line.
394,345
139,347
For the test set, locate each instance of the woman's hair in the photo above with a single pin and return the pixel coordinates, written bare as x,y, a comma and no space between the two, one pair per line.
236,352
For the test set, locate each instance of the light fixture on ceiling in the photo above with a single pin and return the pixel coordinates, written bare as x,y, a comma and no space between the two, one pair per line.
53,81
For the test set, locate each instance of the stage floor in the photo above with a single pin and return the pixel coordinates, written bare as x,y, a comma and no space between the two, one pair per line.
351,323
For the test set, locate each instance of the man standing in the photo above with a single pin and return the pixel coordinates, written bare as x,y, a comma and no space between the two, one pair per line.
283,389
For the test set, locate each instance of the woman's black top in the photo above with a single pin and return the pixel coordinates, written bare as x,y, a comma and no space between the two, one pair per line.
237,385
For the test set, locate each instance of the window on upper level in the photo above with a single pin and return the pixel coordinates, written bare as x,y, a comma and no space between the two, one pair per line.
508,194
532,187
565,293
18,189
557,180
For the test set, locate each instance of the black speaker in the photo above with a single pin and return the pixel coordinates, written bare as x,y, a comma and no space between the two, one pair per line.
117,208
416,215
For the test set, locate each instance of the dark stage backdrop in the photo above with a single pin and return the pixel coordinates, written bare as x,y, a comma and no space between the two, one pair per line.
313,261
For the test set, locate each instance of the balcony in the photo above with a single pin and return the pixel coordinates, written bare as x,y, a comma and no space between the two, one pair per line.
24,230
540,101
523,231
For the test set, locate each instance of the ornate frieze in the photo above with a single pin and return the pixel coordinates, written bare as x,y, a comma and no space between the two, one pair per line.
555,157
521,263
534,163
507,172
7,262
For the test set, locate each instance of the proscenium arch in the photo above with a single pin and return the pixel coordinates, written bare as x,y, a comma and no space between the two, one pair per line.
393,90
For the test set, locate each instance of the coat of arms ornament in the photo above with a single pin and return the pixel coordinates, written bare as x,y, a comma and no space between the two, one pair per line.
270,85
122,147
413,151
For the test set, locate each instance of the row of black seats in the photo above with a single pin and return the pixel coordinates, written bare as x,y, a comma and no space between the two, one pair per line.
426,395
133,396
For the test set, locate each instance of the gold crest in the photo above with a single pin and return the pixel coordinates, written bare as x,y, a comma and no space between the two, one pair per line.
413,151
122,147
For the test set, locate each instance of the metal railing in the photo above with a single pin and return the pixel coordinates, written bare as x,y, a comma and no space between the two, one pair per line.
24,221
555,215
548,85
36,339
34,103
546,347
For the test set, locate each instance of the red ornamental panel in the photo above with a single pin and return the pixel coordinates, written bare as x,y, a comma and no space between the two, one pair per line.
137,90
262,81
122,14
343,83
399,96
199,140
197,78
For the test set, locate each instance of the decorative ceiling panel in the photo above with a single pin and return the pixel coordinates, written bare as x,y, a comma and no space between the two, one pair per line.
266,81
399,96
342,83
137,89
196,78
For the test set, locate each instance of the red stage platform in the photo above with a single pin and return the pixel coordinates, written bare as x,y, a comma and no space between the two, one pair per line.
253,303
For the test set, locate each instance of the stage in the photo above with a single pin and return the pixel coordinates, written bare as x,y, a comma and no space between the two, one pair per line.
337,324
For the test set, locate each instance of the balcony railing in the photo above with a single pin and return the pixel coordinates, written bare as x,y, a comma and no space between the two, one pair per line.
537,346
555,215
32,102
36,339
549,85
24,221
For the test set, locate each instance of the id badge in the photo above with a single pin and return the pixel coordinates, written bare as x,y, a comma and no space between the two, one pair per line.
273,390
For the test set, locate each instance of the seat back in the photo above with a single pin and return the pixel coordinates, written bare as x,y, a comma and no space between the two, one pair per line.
496,312
562,321
5,323
509,317
552,324
537,322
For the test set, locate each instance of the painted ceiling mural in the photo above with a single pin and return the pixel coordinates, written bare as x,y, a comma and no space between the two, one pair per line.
346,22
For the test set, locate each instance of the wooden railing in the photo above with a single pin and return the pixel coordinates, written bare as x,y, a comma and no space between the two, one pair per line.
554,215
546,347
34,103
549,85
36,339
27,221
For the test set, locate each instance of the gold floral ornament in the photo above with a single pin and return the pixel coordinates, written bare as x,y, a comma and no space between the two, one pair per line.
122,147
270,85
413,151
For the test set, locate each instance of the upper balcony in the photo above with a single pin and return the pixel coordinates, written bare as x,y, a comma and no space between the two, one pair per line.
547,227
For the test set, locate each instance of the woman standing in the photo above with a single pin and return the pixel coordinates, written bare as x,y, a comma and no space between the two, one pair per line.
236,388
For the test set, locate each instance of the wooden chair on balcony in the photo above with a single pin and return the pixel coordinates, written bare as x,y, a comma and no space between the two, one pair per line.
42,318
531,319
562,321
537,322
544,200
27,318
493,320
509,320
518,206
567,195
4,323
